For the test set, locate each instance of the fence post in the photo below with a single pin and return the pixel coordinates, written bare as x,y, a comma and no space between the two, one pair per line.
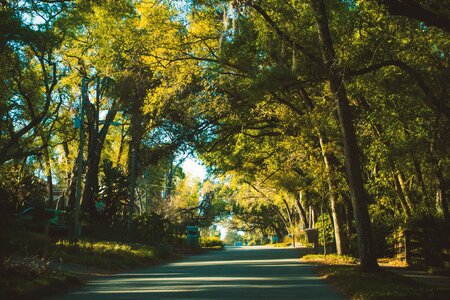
407,237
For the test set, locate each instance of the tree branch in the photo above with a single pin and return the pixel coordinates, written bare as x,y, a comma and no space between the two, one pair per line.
414,10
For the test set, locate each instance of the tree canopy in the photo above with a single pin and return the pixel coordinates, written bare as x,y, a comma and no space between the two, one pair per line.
305,110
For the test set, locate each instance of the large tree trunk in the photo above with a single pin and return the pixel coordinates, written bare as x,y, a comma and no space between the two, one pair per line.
92,162
80,163
95,146
358,194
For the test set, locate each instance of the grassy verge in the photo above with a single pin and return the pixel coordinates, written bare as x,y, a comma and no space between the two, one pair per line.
330,259
110,255
32,277
344,274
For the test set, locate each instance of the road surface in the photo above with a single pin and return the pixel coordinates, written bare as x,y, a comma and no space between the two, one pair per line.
234,273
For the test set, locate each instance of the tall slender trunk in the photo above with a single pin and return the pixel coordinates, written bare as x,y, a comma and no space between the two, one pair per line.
336,209
442,197
122,142
311,217
358,193
69,192
135,142
79,164
292,224
419,174
301,209
404,190
48,174
403,193
170,175
132,177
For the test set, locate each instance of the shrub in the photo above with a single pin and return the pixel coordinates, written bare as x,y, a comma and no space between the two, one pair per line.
29,267
325,227
24,243
151,228
211,242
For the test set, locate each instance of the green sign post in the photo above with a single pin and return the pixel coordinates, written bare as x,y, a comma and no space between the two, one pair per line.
192,235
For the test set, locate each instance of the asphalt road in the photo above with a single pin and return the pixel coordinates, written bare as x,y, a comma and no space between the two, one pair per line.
234,273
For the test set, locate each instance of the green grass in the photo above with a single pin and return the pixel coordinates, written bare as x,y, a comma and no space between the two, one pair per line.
344,273
108,255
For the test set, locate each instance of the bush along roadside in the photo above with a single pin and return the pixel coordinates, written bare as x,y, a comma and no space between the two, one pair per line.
344,274
211,242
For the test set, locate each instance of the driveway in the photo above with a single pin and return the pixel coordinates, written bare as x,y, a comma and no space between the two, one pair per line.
234,273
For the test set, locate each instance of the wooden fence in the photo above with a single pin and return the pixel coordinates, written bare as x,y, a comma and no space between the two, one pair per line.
408,247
